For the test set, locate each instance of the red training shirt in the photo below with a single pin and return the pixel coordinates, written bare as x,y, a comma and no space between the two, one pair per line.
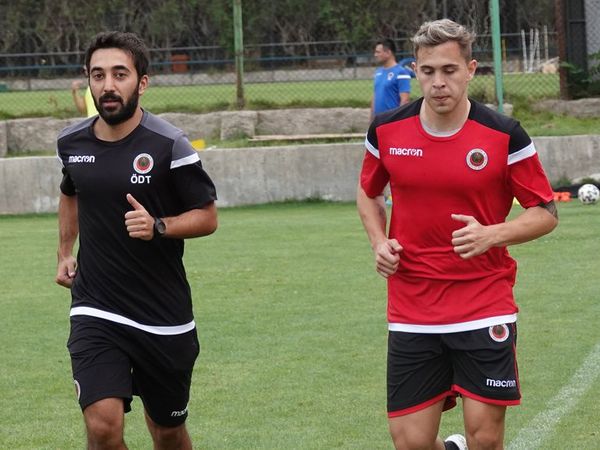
476,172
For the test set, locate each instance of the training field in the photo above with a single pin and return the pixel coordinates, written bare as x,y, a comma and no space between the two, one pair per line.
291,319
201,98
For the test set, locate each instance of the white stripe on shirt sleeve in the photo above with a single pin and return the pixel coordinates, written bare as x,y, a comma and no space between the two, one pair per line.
371,149
401,77
522,154
191,159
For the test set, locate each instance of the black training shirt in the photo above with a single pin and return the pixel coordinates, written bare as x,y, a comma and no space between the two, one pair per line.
119,278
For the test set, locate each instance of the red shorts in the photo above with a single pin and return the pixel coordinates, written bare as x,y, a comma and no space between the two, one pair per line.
423,369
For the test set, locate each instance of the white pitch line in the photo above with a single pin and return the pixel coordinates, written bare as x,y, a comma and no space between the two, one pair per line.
542,425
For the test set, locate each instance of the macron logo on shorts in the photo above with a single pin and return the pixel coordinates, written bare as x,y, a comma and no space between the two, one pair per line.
501,383
179,413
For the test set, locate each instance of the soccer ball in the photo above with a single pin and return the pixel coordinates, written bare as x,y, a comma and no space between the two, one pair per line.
588,194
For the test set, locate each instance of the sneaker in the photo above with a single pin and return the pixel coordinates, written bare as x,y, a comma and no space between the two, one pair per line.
458,440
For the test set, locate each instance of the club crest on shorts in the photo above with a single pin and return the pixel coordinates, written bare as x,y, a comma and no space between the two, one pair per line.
499,333
77,388
143,163
477,159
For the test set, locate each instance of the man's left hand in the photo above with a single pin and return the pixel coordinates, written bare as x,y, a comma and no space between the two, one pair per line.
139,223
471,240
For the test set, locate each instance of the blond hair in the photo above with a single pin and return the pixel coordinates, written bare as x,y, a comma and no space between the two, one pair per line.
439,32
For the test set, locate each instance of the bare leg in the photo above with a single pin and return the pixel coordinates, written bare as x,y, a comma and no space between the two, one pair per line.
419,430
168,438
484,425
104,421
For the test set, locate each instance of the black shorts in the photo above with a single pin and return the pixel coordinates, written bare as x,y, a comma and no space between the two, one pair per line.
426,368
114,360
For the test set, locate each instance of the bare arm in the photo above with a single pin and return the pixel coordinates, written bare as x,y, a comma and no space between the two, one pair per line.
404,98
68,229
474,239
78,99
374,218
190,224
193,223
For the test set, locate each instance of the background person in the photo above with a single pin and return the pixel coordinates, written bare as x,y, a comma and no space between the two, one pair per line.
84,103
133,189
391,82
454,167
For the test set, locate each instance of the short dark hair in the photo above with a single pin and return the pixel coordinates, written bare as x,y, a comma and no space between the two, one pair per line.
388,44
128,42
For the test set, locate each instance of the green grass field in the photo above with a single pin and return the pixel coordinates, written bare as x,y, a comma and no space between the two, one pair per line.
202,98
521,89
291,318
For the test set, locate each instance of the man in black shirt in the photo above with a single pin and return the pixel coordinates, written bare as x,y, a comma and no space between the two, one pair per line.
133,189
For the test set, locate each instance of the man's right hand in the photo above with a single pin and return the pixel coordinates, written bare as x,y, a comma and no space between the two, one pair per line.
66,271
387,257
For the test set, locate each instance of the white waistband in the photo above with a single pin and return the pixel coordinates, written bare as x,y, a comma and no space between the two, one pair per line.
453,327
166,331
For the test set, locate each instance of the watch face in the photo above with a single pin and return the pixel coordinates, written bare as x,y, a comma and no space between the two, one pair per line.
160,226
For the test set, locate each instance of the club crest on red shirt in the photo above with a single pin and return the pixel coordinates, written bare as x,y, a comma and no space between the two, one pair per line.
477,159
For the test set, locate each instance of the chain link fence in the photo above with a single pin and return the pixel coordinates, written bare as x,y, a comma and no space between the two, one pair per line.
310,74
579,35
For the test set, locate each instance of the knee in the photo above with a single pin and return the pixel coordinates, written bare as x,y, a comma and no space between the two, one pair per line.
103,432
168,437
485,439
164,435
412,440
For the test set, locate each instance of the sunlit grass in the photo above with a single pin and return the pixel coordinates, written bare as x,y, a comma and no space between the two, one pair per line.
291,319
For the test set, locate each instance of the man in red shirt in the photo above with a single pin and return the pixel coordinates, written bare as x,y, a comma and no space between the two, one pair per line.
454,167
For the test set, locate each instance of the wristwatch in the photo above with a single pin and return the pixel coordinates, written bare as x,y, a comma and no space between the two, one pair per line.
160,227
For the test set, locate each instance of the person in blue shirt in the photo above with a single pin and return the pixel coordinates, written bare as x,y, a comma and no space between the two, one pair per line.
391,86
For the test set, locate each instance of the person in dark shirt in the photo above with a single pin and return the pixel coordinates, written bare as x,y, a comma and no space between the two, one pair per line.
133,189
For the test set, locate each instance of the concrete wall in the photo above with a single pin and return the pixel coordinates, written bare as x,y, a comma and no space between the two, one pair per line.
23,136
267,174
270,174
242,176
29,185
572,157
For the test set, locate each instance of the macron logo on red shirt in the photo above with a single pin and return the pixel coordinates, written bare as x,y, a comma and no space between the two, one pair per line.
418,152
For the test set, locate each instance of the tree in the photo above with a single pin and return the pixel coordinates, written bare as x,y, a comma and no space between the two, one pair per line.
43,26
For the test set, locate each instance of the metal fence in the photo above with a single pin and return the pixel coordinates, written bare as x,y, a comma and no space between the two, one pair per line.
327,73
579,38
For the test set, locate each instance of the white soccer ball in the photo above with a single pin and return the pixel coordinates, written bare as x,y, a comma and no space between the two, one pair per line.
588,194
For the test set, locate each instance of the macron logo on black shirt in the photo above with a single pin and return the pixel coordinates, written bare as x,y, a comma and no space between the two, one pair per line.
82,159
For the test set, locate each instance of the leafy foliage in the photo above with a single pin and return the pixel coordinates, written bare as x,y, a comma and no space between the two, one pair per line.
30,26
584,83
